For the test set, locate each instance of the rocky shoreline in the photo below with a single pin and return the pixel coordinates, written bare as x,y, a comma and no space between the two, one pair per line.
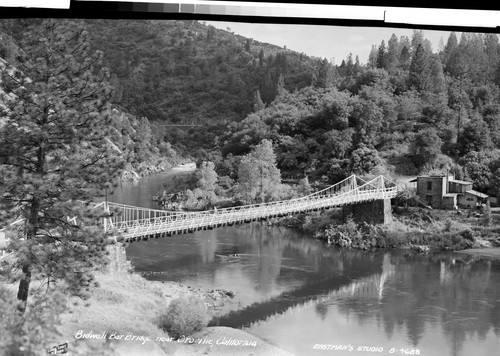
133,174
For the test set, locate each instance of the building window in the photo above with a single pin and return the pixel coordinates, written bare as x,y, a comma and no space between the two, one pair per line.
429,199
429,185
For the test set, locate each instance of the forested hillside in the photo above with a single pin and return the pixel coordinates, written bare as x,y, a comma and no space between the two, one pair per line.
184,73
407,110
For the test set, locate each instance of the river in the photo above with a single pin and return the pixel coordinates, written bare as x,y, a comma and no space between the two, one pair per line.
311,299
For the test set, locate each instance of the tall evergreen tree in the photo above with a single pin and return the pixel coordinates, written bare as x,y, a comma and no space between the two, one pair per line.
372,57
325,74
417,39
54,152
436,80
381,56
261,57
419,70
349,66
405,58
258,103
393,52
449,52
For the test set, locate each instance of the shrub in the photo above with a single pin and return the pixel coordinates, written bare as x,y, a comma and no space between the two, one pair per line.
344,235
184,317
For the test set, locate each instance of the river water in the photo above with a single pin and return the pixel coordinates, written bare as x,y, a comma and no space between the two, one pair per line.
311,299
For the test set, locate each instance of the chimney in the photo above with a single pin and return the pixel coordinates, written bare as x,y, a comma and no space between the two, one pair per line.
447,182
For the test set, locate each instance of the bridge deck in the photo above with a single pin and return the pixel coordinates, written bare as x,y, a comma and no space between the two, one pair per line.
134,223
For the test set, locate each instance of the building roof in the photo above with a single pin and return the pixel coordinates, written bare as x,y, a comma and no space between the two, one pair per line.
476,193
463,182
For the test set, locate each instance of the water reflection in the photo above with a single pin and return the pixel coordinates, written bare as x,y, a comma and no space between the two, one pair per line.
296,292
440,304
409,305
256,261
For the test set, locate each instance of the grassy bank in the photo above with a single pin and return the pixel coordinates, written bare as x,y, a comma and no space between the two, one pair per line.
419,229
124,312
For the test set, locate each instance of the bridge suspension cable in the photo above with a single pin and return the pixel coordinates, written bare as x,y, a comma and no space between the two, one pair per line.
136,222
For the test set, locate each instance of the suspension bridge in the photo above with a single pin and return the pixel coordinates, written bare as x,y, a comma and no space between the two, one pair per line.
137,223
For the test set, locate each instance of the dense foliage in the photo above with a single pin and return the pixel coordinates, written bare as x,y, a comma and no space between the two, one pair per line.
54,152
408,110
205,92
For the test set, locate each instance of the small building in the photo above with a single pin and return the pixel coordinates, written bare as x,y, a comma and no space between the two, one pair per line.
472,198
446,192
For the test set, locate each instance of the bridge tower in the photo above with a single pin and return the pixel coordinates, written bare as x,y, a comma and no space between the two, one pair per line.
117,258
372,211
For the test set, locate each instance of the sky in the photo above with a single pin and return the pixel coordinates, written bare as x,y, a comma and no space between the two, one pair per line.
330,42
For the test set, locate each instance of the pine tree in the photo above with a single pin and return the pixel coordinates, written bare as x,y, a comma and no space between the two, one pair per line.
381,56
55,152
325,74
349,66
405,58
281,92
419,70
437,79
258,103
247,45
450,53
372,57
393,52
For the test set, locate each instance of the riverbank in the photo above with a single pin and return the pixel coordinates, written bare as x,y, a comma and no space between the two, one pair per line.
492,252
144,169
124,312
416,229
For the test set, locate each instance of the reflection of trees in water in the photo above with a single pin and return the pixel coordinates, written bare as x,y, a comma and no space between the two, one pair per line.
281,253
459,295
309,292
208,246
322,310
279,305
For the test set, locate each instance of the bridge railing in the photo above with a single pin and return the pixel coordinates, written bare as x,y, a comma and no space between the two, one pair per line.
123,212
134,221
150,221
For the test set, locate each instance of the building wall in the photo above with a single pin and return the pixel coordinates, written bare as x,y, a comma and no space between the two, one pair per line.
459,188
467,199
449,202
434,187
